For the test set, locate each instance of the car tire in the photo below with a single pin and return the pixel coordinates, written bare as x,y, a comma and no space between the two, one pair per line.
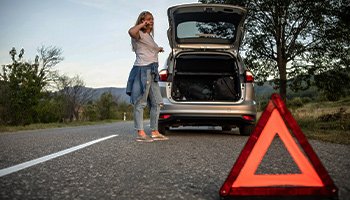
246,129
163,129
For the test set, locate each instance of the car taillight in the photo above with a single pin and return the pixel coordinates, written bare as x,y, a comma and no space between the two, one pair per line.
249,78
162,116
163,75
249,117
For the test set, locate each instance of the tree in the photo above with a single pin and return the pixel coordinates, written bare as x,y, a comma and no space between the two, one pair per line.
74,95
49,108
287,39
334,83
90,112
23,82
49,57
332,75
106,106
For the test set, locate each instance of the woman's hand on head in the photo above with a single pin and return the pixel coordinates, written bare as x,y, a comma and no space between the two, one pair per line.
145,23
134,31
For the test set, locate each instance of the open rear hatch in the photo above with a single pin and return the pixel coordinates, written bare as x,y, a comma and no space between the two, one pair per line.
205,26
206,77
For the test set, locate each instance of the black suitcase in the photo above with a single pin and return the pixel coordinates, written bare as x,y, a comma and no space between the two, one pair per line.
225,89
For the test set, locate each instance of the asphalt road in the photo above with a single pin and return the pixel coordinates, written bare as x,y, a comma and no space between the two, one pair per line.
192,164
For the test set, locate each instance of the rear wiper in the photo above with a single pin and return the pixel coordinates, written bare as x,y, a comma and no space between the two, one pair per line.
206,35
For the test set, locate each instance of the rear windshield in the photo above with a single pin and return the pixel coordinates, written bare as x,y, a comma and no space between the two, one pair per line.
217,27
194,29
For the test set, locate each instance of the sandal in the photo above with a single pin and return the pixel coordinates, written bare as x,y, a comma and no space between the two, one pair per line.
144,138
159,136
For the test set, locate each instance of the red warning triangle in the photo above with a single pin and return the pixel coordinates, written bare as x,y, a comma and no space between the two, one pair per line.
313,179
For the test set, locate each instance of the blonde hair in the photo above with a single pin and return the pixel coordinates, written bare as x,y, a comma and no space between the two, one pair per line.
139,20
141,17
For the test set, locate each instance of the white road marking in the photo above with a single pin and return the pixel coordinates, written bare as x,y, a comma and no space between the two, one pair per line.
24,165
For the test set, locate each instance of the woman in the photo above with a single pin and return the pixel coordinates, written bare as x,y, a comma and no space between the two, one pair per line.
143,79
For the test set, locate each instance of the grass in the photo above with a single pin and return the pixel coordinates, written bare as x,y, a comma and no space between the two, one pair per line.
325,121
51,125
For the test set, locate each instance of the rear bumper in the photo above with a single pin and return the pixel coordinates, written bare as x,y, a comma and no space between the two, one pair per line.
207,109
188,120
207,114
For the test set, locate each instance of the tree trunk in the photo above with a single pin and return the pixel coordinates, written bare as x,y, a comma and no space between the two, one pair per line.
281,50
283,85
282,70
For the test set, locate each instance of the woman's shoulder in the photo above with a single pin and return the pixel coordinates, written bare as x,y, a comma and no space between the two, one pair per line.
141,32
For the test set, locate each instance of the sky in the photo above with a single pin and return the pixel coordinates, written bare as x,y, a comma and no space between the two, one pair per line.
93,34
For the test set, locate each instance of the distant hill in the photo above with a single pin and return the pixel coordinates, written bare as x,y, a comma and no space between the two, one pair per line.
117,92
265,89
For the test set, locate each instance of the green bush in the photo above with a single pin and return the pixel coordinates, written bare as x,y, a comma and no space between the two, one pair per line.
90,112
49,110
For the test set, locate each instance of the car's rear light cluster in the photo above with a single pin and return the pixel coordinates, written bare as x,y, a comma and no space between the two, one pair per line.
164,116
249,78
163,75
249,117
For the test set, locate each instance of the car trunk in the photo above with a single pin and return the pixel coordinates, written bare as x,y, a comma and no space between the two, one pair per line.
206,77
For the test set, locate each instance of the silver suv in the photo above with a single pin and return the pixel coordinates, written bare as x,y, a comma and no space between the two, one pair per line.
204,82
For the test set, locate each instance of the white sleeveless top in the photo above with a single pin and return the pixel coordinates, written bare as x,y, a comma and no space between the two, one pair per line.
146,49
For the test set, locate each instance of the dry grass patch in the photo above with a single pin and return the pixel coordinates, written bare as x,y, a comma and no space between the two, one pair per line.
326,121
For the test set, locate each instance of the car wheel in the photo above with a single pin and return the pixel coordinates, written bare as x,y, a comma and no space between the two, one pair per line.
246,129
163,129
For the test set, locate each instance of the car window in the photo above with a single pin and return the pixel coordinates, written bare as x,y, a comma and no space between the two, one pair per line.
205,32
194,29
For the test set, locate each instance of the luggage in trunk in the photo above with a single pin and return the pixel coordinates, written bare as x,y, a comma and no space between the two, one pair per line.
206,78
